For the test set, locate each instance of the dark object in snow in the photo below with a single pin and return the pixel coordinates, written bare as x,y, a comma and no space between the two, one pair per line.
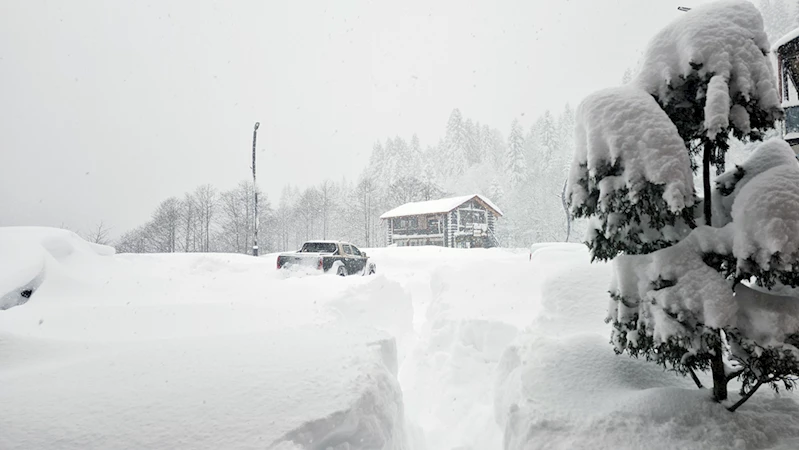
340,258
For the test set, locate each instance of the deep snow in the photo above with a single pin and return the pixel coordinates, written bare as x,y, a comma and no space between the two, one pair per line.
443,349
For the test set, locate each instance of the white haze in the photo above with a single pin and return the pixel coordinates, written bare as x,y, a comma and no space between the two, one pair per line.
108,108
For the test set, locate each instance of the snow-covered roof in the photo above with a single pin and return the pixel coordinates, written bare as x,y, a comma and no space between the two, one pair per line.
443,205
785,39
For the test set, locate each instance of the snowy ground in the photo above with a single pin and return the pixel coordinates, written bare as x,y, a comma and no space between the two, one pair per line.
442,349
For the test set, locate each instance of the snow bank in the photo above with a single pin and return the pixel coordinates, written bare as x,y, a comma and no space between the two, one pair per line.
468,306
559,386
196,351
724,40
213,392
26,253
380,303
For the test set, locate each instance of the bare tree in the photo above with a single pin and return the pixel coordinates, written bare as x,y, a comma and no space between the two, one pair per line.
206,201
134,241
99,234
326,204
237,217
308,211
188,219
365,193
164,226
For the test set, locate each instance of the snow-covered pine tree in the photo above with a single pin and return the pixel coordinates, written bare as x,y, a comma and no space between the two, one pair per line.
517,165
547,135
472,135
453,149
630,175
377,161
677,297
415,158
401,160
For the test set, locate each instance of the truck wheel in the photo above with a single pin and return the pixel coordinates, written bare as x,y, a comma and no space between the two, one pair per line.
368,269
342,271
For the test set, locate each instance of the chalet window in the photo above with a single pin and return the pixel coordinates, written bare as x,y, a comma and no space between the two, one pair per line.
413,223
790,85
432,224
791,68
471,217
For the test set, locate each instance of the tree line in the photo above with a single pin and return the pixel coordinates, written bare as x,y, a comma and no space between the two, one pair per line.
523,174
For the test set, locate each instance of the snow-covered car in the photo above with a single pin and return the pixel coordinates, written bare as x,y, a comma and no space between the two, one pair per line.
340,258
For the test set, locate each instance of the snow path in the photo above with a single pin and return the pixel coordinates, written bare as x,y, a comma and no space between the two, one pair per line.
469,306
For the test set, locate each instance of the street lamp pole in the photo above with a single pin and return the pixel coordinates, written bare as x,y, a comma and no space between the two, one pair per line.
255,191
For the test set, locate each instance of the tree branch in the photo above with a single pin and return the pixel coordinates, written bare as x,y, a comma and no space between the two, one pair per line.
733,375
695,378
745,397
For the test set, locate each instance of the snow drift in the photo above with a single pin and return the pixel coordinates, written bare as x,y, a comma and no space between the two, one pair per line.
194,351
559,386
27,253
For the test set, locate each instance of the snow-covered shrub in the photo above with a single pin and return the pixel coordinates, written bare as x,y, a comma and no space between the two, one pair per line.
770,154
679,295
636,186
709,72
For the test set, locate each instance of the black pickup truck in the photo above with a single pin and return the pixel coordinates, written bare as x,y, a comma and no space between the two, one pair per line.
340,258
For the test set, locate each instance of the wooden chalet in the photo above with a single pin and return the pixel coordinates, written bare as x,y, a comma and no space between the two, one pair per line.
465,222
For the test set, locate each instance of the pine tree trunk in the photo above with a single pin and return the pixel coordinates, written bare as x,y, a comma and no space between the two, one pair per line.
719,377
708,149
566,211
717,362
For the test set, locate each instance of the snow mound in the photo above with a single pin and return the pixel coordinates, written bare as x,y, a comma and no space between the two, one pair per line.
379,303
767,318
560,386
766,214
721,39
474,301
193,351
248,391
608,133
766,155
447,385
27,252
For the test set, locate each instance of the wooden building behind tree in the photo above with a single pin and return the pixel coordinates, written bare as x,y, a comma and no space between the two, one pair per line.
466,222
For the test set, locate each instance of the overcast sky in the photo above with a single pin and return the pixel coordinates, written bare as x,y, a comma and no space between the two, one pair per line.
107,108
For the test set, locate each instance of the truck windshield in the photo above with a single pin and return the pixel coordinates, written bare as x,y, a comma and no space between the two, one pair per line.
318,247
